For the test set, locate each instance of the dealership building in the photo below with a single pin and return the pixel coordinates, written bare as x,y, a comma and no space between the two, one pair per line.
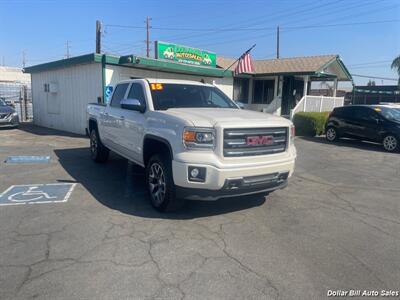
62,89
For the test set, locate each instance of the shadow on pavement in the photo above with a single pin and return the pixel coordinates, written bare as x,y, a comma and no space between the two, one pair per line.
120,185
347,142
38,130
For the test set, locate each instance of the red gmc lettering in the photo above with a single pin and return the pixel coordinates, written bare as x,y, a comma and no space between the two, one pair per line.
259,140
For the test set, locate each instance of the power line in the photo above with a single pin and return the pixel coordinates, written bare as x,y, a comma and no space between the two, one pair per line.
374,77
370,63
301,10
372,67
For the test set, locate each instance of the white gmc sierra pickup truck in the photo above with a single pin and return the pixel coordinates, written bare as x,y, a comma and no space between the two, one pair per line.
194,142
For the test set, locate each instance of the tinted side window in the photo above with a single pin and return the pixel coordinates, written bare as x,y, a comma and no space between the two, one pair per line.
344,112
364,113
119,93
136,92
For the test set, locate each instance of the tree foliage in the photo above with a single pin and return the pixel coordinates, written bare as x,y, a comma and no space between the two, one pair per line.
396,66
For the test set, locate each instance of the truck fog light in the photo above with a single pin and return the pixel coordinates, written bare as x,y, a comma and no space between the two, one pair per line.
194,173
197,174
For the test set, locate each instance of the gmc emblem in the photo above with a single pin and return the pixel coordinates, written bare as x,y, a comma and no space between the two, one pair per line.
259,140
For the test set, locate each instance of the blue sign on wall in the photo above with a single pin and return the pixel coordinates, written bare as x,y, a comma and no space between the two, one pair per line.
108,93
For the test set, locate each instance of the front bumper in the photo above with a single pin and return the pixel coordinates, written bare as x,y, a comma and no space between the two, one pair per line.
232,181
237,187
11,121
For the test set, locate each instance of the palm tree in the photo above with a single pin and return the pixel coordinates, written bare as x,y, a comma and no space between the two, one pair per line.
396,66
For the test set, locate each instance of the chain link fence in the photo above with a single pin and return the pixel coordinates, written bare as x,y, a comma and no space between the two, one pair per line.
19,96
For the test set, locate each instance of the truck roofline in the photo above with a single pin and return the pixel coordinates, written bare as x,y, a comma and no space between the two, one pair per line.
167,81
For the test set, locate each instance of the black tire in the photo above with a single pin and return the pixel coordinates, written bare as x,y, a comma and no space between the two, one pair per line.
98,151
332,134
160,184
391,143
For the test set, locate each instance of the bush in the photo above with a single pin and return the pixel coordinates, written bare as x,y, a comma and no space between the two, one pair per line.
310,123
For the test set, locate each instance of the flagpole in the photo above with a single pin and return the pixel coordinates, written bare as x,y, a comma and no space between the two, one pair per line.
251,48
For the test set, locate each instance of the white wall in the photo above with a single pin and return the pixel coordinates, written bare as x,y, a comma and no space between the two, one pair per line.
66,109
10,74
114,74
82,84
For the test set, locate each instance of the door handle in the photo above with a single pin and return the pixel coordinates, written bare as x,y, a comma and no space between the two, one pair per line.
105,114
122,118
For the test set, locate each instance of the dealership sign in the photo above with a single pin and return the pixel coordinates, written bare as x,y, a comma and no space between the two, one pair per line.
186,55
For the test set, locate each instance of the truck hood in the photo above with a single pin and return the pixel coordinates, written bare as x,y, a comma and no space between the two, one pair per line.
227,117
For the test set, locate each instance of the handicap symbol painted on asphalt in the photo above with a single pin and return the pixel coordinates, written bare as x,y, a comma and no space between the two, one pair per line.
36,193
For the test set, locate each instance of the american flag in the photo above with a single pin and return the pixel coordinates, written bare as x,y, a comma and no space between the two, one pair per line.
245,64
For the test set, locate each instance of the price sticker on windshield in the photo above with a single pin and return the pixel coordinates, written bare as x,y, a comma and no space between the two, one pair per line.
156,86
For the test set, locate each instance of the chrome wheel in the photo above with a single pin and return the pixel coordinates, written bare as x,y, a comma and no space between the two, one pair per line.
331,134
157,184
390,143
93,144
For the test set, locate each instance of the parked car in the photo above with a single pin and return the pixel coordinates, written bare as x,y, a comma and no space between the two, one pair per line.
8,115
193,140
376,123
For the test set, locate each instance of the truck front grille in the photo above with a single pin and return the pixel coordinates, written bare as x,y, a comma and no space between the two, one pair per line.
4,116
254,141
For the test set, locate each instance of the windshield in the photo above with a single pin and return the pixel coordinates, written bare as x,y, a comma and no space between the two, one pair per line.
167,96
392,114
2,102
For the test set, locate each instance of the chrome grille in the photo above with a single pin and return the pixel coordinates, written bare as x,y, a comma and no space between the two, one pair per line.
254,141
4,116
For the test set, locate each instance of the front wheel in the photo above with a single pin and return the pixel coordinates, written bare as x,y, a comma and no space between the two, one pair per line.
160,184
391,143
331,134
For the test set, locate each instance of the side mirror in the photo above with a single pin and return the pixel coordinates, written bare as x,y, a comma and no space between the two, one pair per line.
132,104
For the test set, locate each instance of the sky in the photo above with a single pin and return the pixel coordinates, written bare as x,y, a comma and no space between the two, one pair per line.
364,33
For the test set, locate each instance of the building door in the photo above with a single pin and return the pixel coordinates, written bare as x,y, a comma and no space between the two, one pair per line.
292,92
287,95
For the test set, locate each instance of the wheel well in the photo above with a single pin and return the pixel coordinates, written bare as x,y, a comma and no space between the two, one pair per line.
154,145
92,125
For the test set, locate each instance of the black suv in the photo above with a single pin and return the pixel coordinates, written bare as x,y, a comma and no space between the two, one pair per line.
376,123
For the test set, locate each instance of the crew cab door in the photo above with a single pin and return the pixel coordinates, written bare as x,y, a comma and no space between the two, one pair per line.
112,119
134,121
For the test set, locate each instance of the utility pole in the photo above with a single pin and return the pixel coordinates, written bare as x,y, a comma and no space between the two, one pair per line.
277,42
98,37
23,58
148,36
67,46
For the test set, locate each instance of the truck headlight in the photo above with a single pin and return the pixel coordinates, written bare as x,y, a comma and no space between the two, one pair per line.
14,114
201,138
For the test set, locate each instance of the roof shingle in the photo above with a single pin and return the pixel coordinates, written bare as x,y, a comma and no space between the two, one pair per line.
306,64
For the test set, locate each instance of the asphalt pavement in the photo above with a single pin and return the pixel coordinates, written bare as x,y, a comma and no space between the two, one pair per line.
335,227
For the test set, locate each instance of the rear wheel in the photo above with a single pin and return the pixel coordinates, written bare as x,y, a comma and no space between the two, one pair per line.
331,134
161,187
98,151
390,143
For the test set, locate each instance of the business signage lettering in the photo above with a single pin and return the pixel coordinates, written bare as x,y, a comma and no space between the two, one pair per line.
186,55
